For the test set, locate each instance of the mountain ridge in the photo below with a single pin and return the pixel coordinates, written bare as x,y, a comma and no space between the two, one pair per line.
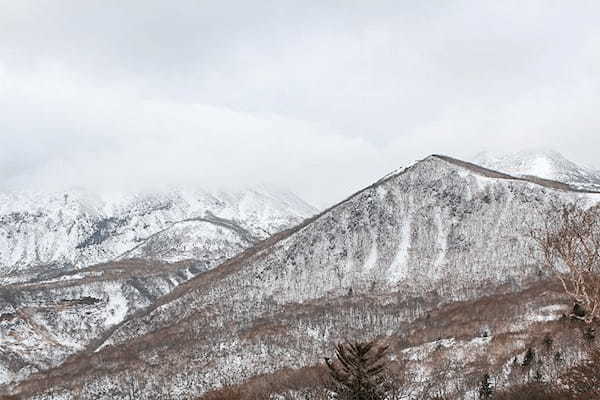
132,250
79,229
229,266
437,232
543,163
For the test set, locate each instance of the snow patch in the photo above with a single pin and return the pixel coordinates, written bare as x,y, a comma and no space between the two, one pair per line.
398,267
116,309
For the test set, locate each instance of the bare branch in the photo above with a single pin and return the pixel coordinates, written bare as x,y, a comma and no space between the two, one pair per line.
569,245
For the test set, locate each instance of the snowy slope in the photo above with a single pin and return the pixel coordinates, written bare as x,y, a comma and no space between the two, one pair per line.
43,322
79,228
439,231
546,164
52,304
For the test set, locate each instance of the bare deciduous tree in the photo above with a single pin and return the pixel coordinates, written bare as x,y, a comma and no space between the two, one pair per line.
569,244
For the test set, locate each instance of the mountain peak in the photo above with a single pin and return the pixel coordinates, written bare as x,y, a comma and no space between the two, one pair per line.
543,158
486,167
543,163
81,228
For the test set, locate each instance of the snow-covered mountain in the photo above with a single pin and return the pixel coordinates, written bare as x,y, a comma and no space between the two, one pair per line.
397,252
56,297
58,313
543,163
74,229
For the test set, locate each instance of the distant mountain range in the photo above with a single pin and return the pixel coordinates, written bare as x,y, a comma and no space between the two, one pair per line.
435,259
543,163
42,232
66,258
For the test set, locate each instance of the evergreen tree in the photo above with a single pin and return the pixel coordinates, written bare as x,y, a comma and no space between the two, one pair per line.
589,334
485,387
358,372
548,342
558,359
529,357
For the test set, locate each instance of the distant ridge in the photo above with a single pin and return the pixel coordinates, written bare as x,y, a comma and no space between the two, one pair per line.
74,229
491,173
542,163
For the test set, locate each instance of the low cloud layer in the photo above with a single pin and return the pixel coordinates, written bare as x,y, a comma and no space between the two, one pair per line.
322,97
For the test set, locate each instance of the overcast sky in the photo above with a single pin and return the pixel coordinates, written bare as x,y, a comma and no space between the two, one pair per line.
320,96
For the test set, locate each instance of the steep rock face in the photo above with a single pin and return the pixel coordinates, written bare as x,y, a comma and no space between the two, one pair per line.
77,229
546,164
439,231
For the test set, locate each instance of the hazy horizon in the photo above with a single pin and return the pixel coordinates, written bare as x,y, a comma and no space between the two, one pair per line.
320,97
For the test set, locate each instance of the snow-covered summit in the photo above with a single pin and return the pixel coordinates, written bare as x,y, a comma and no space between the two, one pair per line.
542,163
77,228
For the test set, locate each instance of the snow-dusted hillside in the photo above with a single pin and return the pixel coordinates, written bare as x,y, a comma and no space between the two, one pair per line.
43,322
437,232
41,231
53,305
546,164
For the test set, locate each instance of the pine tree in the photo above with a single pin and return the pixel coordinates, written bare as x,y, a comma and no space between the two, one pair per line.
529,357
485,387
558,358
589,334
548,342
358,372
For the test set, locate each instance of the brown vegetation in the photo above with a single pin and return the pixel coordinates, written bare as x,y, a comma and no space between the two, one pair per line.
583,380
531,391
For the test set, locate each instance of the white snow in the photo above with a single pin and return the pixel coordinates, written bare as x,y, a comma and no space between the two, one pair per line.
542,167
73,277
548,313
398,267
116,309
371,261
543,163
442,238
82,228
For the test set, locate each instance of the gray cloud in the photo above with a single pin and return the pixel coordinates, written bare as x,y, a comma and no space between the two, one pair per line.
323,97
